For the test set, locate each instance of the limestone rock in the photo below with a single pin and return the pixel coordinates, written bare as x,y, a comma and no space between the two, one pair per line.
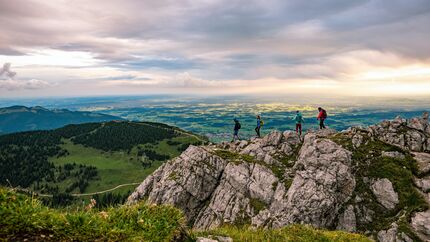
347,220
421,224
423,183
320,188
423,161
392,235
185,182
385,194
393,154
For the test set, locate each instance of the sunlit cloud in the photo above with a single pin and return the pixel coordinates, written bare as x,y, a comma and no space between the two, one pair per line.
243,47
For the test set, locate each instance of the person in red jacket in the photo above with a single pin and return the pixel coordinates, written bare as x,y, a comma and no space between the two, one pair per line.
322,115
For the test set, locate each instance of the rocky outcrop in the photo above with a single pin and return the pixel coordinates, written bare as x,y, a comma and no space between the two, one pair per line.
322,184
321,179
412,134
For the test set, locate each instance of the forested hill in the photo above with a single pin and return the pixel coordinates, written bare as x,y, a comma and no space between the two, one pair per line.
88,158
21,118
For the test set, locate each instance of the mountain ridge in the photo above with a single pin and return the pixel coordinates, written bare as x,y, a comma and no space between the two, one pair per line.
372,180
22,118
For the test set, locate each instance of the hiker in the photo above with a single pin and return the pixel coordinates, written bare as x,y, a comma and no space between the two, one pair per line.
322,115
299,120
237,126
260,123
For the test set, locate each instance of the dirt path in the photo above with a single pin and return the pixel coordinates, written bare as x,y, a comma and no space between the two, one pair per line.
83,194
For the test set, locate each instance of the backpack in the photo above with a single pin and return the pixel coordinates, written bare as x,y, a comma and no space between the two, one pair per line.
239,126
324,115
261,122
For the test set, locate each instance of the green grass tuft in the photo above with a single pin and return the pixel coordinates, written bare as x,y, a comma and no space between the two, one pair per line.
296,233
24,217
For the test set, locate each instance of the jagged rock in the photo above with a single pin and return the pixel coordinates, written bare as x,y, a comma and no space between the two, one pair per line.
320,189
423,183
385,194
185,182
392,235
357,140
347,221
393,154
272,139
291,138
423,161
388,235
421,224
232,200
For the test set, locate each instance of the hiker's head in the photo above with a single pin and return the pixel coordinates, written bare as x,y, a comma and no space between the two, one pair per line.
235,120
258,116
297,111
319,108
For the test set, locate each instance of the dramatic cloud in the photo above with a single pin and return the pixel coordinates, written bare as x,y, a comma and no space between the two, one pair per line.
206,45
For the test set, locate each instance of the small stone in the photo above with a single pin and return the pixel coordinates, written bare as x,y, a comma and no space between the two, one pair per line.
393,154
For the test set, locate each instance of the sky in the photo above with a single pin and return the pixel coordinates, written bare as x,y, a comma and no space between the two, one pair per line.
213,47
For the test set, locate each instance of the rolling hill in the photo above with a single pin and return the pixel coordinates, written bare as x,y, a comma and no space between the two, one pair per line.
89,158
21,118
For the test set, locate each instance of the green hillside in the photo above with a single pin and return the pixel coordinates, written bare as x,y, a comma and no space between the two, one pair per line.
89,158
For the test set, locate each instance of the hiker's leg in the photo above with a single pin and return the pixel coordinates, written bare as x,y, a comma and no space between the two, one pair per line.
300,129
258,131
297,128
321,123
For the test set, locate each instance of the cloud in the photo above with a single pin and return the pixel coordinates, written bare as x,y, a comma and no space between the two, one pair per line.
31,84
212,43
8,82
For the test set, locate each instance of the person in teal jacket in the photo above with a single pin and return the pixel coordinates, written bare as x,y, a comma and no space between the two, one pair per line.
299,121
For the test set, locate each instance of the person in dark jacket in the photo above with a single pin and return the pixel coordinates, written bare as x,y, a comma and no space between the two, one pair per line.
257,129
237,126
322,115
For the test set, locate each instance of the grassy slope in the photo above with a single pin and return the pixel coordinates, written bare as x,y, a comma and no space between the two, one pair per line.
117,167
292,233
23,217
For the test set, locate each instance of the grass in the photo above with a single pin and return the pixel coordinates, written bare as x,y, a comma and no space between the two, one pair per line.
117,167
296,233
23,217
114,168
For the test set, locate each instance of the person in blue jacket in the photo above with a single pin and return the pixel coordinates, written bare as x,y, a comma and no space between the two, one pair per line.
299,121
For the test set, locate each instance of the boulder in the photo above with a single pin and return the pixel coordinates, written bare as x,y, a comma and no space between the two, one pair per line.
423,161
423,183
385,194
420,222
